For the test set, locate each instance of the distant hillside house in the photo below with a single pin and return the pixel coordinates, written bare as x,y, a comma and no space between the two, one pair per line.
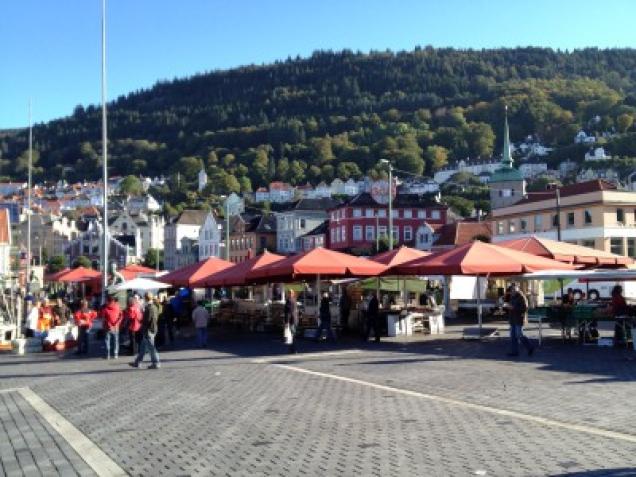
583,138
597,154
202,180
531,170
281,192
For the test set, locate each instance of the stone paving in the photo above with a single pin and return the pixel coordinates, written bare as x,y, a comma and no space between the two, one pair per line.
234,410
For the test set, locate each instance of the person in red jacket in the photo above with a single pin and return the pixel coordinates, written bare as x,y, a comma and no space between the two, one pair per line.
133,316
111,313
84,319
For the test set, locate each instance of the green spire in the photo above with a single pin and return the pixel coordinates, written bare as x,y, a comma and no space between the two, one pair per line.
506,160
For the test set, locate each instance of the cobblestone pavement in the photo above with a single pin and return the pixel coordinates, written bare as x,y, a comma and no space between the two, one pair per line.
403,407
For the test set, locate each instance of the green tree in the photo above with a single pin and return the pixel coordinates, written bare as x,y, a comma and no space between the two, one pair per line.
245,184
296,173
461,205
481,139
189,167
131,185
153,257
82,261
282,169
56,264
347,170
436,157
624,122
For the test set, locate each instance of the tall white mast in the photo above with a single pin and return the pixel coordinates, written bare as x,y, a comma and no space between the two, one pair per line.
29,186
105,241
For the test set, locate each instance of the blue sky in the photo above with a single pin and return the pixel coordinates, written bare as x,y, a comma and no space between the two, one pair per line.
50,50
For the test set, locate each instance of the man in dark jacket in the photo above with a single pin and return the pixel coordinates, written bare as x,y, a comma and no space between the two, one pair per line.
517,317
150,326
373,319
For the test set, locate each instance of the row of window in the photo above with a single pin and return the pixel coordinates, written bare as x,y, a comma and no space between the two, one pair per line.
396,213
617,246
339,234
570,220
210,250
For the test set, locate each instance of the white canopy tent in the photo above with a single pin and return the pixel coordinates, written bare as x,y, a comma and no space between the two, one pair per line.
142,284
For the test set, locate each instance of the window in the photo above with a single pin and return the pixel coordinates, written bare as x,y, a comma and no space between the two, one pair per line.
555,220
343,233
381,212
357,212
523,225
435,215
570,218
369,213
620,215
303,223
616,246
395,214
538,223
631,247
587,217
408,233
357,232
408,214
382,231
337,234
511,226
369,233
500,228
332,234
396,234
421,214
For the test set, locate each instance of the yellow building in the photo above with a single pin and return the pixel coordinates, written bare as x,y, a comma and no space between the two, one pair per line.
593,213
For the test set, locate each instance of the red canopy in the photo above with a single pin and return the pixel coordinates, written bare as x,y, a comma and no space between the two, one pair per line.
398,256
479,258
186,276
54,277
79,274
236,275
133,271
319,261
565,252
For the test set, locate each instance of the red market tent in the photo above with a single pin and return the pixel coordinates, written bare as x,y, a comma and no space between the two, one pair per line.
132,271
54,277
398,256
319,262
236,275
188,275
566,252
479,258
79,274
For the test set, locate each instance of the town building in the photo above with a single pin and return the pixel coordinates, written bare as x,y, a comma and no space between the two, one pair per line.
281,192
461,232
594,214
475,168
355,224
188,252
530,170
202,180
303,216
50,235
317,237
251,235
147,230
597,154
186,224
210,238
507,184
418,186
583,138
89,244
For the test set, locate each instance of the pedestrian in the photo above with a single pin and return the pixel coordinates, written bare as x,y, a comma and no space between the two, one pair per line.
83,319
373,319
518,317
32,319
112,316
61,312
45,319
345,308
149,328
291,319
201,318
133,316
325,319
170,317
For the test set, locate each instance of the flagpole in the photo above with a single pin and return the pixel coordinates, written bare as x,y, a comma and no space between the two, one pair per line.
105,241
29,186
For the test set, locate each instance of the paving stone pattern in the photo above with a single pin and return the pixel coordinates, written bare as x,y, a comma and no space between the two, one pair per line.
218,412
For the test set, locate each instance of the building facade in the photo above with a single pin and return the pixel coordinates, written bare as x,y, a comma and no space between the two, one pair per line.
186,225
303,216
210,238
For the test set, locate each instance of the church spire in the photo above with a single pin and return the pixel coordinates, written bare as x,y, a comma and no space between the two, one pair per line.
506,159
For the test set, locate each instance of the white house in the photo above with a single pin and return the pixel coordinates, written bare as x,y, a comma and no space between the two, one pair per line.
322,190
464,166
337,187
148,229
567,167
590,174
597,154
351,188
202,180
530,170
281,192
186,225
210,238
304,216
419,186
261,195
142,205
582,138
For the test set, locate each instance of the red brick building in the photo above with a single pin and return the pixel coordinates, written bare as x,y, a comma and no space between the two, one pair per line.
355,224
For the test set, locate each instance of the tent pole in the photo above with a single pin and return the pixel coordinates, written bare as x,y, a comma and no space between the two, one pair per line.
479,304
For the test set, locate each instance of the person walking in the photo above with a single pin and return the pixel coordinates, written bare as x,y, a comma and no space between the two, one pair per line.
325,319
518,317
373,319
149,328
201,318
83,319
32,319
133,316
61,312
112,316
291,319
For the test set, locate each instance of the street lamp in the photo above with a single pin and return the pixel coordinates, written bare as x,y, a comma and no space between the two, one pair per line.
386,161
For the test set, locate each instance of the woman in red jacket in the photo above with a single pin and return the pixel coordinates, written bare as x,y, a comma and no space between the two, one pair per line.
84,319
133,316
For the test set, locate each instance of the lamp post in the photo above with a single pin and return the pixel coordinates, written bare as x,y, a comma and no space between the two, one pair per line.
385,161
105,242
30,185
558,211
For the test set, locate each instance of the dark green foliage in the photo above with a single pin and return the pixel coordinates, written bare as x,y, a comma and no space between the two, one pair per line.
313,119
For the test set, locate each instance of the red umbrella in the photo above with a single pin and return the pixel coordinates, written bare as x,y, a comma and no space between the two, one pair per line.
133,271
398,256
186,276
79,274
236,275
565,252
319,262
54,277
479,258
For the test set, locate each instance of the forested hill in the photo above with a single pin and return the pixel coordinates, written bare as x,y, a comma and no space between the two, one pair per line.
336,114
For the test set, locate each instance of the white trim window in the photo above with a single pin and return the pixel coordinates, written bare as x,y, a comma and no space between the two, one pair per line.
357,213
357,233
421,214
369,233
408,233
